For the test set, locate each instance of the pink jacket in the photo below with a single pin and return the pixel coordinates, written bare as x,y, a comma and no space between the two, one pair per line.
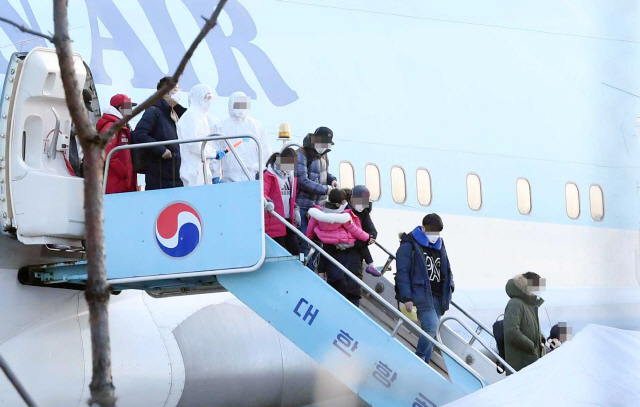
335,228
273,226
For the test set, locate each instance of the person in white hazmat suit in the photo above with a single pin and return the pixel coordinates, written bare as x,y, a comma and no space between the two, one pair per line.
194,124
240,123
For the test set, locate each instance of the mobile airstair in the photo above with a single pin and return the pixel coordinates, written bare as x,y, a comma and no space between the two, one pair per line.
211,238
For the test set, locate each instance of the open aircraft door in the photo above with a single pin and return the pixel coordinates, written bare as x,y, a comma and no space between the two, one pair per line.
41,200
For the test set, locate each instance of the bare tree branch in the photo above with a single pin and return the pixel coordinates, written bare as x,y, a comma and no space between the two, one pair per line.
28,30
208,26
97,289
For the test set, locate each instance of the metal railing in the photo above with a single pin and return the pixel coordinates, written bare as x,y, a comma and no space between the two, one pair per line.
481,326
4,366
290,145
401,318
204,140
230,147
475,336
390,259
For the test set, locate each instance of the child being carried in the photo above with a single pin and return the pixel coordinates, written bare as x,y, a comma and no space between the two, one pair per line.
334,224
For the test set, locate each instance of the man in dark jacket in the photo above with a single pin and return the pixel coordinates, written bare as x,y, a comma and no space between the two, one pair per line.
314,179
161,164
423,278
523,341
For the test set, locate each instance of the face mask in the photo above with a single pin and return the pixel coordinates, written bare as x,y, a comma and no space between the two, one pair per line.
321,150
239,113
358,208
177,96
433,238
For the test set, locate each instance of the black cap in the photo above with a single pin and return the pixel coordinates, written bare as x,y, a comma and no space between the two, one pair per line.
325,133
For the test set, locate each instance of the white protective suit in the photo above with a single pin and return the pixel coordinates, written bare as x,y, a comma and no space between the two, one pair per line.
194,123
215,165
239,123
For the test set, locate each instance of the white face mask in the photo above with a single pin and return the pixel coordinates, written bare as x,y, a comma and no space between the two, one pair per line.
358,208
177,96
321,150
433,238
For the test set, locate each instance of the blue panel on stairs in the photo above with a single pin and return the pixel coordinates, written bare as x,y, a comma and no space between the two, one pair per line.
184,230
340,337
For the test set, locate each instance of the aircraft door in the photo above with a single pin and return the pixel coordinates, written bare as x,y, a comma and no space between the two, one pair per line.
42,199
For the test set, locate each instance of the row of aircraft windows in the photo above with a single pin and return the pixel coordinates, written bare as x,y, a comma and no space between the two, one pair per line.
474,190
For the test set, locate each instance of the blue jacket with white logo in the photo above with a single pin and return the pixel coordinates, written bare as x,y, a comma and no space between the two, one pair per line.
412,277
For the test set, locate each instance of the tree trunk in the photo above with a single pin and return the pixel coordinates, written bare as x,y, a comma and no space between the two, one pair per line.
97,291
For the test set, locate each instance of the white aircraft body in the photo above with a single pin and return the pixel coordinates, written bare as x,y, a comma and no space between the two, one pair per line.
515,121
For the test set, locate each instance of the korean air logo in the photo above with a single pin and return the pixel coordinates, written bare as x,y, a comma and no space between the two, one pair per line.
178,230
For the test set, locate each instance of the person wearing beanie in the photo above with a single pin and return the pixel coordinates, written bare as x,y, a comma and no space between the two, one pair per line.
338,229
361,206
423,278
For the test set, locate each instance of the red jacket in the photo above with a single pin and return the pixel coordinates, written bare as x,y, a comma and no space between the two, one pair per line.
335,228
273,226
121,177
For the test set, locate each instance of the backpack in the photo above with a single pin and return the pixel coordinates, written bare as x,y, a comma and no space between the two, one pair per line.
136,153
413,251
498,333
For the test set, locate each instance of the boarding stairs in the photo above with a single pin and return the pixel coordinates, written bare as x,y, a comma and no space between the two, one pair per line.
211,238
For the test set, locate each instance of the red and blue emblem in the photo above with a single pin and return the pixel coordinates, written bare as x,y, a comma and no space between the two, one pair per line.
178,230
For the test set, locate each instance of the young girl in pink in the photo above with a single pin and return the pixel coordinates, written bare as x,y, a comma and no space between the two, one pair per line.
338,229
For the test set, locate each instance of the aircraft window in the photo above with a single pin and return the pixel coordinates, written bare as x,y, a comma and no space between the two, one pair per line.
523,191
474,192
398,185
347,178
423,183
372,181
572,196
596,197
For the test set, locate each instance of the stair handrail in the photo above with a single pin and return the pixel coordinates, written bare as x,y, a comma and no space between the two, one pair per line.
384,249
291,144
231,148
381,300
481,326
475,335
4,366
203,140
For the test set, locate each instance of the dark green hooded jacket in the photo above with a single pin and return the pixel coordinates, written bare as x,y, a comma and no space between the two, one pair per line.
522,334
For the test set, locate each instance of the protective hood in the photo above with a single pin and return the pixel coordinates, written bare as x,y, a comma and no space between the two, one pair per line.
112,111
422,239
194,124
517,288
239,97
197,103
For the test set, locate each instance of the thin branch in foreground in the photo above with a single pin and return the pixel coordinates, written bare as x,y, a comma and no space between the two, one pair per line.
27,30
208,26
